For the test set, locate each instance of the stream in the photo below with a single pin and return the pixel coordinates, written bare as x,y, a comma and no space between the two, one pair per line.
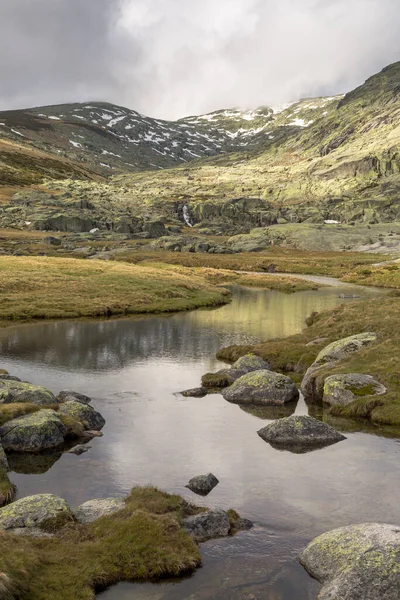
133,369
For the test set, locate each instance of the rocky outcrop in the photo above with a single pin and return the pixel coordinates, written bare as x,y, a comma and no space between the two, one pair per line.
359,562
39,431
262,388
313,380
32,511
208,525
18,391
300,434
85,414
341,390
94,509
203,484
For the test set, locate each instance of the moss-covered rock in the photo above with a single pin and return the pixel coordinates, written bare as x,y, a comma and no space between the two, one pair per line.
299,434
85,414
32,511
66,394
358,562
312,384
343,389
33,433
18,391
262,388
251,362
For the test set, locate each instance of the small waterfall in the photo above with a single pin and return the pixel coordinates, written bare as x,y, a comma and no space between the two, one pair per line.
186,216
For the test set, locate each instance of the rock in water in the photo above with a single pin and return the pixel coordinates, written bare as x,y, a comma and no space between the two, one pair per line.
208,525
249,363
32,511
341,390
359,562
203,484
33,433
12,390
262,388
66,394
79,449
84,413
313,380
195,393
94,509
300,434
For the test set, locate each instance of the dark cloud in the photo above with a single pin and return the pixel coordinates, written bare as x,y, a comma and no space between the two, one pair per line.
174,57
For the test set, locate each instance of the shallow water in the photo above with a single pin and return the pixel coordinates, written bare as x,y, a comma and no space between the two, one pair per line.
132,369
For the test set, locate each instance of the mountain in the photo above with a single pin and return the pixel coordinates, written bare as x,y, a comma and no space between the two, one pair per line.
314,161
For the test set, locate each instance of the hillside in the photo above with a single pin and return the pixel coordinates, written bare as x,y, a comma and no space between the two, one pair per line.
315,161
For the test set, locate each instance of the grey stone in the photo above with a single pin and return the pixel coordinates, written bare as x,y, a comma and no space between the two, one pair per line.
203,484
90,418
79,449
33,433
66,394
358,562
94,509
32,511
195,393
12,391
262,388
3,459
208,525
341,390
300,433
249,363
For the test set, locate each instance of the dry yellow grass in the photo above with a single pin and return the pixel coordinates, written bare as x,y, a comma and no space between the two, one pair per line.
44,287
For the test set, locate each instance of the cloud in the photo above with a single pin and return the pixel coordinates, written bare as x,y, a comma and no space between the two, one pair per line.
169,58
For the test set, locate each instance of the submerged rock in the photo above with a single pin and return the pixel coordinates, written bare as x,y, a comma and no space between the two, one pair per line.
343,389
249,363
12,390
263,388
208,525
300,434
32,511
195,393
312,384
79,449
67,395
85,414
203,484
358,562
94,509
33,433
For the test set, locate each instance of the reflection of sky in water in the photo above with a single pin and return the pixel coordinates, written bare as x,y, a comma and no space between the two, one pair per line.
132,368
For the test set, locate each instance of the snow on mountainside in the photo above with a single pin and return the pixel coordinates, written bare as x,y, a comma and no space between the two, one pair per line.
110,138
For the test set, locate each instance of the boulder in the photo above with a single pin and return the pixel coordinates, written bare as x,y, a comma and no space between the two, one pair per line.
66,394
12,390
262,388
208,525
195,393
3,460
300,433
85,414
312,384
358,562
32,511
8,377
94,509
33,433
221,379
203,484
249,363
341,390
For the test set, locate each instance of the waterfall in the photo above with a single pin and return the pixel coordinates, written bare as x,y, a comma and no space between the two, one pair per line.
186,216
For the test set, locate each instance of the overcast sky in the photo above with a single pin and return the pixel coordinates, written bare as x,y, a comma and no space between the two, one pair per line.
171,58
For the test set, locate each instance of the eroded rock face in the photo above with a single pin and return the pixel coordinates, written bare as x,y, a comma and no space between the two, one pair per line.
341,390
300,433
249,363
359,562
12,390
203,484
208,525
312,385
32,511
262,388
90,418
33,433
94,509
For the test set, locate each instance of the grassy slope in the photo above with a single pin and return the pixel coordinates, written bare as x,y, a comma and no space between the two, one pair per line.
43,287
143,541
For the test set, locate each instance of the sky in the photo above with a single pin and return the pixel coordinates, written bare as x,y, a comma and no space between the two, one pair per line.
172,58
